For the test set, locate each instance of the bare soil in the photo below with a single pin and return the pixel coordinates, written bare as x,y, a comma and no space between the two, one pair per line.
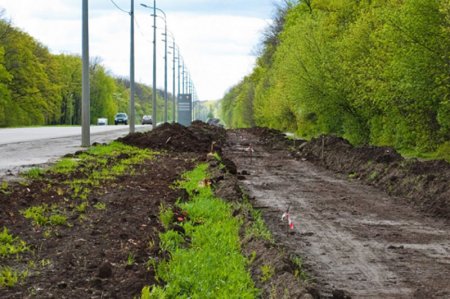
356,241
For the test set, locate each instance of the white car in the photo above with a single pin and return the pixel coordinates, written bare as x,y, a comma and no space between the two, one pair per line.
102,121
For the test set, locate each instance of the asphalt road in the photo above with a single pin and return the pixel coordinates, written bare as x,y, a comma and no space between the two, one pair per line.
22,148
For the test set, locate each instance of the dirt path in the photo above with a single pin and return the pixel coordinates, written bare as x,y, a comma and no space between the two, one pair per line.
352,237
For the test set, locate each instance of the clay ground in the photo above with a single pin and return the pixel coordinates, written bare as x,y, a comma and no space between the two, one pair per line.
355,240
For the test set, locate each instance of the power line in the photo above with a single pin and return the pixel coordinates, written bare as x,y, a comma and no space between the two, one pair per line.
140,31
119,8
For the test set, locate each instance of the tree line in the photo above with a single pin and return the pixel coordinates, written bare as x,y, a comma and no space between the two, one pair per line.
40,88
371,71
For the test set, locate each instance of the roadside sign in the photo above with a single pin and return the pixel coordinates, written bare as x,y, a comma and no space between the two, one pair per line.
185,109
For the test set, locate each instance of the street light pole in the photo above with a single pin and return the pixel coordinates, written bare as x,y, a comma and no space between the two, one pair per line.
132,83
154,115
173,81
165,71
183,77
86,101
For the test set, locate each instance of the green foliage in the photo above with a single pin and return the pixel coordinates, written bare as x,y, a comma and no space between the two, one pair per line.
171,240
11,245
65,166
45,215
211,265
101,206
145,294
299,272
4,187
94,165
33,173
258,229
130,259
267,271
166,216
10,277
443,152
371,71
39,88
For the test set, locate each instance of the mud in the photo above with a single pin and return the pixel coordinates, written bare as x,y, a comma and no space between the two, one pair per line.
354,239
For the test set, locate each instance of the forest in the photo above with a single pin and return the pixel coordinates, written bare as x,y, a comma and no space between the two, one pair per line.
40,88
371,71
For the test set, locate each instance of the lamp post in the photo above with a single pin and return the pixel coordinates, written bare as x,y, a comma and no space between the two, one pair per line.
183,77
86,101
154,115
132,84
174,58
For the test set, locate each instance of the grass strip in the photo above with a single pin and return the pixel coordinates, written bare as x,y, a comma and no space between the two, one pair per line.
206,261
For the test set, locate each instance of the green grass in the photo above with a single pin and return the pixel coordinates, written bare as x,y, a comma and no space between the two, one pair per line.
210,265
33,173
10,277
101,206
11,245
45,215
258,228
65,166
299,272
96,166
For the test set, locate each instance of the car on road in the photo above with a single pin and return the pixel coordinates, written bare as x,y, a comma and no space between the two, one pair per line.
214,122
147,120
121,118
103,121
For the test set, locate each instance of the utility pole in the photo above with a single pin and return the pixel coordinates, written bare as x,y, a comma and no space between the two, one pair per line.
165,71
154,120
132,85
173,82
184,76
86,102
179,82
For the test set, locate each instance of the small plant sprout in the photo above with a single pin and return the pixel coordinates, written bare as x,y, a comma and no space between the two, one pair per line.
267,272
101,206
299,271
130,259
4,187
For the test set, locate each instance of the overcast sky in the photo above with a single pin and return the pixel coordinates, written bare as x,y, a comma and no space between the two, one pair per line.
217,39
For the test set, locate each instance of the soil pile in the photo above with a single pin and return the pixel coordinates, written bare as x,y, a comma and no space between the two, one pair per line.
424,182
175,137
272,138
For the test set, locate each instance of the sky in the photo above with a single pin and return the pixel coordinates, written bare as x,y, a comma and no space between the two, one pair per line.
218,39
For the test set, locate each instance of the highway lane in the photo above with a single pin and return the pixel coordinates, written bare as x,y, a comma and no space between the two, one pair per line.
22,148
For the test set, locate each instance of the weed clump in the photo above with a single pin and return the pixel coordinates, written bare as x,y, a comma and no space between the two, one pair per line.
11,245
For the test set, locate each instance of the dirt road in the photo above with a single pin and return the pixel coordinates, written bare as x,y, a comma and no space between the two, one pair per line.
352,237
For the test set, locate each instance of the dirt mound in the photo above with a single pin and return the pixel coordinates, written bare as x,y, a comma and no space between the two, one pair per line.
175,137
273,138
424,182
